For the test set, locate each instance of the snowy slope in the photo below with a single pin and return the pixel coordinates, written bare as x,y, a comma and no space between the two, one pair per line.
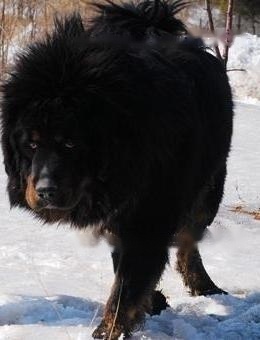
53,287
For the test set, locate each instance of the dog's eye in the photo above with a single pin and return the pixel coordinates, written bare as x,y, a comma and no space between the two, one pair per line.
69,144
33,145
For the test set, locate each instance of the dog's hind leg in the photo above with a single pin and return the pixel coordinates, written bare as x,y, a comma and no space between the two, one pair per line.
190,266
189,262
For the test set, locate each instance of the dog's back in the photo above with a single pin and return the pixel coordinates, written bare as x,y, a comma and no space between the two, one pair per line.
139,20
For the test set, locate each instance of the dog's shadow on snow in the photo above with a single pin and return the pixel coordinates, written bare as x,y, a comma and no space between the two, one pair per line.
189,316
52,311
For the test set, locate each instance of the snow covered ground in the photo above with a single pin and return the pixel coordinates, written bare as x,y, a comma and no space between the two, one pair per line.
54,288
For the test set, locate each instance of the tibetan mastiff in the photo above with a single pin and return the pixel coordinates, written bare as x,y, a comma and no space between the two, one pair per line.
122,124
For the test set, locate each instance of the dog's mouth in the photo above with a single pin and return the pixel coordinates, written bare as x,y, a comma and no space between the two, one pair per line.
47,207
50,206
66,206
58,202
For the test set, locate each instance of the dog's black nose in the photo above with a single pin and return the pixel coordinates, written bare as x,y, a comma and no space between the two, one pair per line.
47,193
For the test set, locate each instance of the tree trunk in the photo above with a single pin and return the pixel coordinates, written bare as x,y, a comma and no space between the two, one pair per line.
238,23
229,37
253,27
2,39
46,14
212,28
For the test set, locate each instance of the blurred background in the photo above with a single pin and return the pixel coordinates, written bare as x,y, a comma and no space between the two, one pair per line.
23,21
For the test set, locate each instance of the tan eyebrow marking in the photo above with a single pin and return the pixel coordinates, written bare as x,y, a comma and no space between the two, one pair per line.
35,136
58,138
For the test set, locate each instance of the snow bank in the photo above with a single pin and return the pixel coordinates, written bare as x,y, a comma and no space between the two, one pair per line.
245,54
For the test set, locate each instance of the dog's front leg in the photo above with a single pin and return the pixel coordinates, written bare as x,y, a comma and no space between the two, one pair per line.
140,267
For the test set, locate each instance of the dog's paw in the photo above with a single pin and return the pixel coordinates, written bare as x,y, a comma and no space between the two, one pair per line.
159,303
207,292
107,331
215,291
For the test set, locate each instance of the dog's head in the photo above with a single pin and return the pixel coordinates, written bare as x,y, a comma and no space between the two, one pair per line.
70,124
46,159
54,130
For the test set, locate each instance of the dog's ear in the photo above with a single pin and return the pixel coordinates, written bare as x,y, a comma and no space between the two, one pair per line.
12,166
9,152
10,105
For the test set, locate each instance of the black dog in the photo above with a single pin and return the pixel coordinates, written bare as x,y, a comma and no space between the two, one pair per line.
124,125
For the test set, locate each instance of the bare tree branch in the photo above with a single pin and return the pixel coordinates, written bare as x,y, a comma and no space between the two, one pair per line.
236,70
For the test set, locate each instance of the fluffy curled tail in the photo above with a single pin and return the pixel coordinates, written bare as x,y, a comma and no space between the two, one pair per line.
139,18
